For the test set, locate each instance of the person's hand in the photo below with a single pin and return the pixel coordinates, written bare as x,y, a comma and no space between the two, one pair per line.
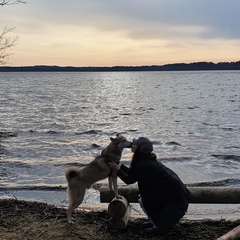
114,166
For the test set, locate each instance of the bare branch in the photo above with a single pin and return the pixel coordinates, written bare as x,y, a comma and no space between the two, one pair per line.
6,44
5,2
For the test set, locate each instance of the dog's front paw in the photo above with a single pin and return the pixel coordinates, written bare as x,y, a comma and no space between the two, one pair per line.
69,218
70,222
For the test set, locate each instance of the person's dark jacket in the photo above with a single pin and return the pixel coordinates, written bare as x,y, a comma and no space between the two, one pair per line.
158,185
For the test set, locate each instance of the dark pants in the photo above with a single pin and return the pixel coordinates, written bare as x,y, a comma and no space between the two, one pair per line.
166,216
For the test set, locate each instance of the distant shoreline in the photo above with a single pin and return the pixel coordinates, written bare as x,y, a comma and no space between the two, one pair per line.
196,66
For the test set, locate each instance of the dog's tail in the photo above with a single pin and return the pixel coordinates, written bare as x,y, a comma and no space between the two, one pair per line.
71,173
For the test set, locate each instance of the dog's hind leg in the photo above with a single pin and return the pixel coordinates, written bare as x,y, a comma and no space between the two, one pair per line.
76,197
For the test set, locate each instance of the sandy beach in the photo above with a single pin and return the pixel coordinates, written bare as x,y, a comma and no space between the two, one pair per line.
34,220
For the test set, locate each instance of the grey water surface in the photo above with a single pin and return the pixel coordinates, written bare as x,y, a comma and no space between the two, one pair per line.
61,119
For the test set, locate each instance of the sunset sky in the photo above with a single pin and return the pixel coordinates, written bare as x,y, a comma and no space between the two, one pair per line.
127,32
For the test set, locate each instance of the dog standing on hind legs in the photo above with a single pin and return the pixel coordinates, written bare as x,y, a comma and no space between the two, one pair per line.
81,179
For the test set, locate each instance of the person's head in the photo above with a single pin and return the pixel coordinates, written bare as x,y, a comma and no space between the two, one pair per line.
144,145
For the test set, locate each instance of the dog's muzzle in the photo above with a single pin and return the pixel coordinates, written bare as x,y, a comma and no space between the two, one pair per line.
130,145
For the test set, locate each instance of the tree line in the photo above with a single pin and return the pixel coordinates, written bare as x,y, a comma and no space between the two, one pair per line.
195,66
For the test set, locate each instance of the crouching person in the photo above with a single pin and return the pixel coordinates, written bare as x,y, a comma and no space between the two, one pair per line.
163,196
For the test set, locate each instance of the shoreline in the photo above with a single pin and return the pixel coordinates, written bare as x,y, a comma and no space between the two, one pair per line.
92,202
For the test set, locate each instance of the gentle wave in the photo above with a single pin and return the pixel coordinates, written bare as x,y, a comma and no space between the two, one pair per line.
97,186
227,157
34,188
218,183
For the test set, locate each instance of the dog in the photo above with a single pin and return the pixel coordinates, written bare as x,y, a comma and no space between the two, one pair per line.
81,179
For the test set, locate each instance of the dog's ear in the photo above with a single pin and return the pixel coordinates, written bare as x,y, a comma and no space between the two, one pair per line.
113,139
118,134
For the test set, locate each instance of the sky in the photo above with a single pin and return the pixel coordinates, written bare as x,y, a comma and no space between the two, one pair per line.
123,33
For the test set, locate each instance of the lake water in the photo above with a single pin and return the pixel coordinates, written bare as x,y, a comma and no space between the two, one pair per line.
65,119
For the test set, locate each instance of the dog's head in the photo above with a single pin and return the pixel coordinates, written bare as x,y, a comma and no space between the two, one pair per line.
121,142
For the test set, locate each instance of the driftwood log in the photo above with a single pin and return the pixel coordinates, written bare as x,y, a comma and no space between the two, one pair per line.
232,235
119,210
198,194
118,207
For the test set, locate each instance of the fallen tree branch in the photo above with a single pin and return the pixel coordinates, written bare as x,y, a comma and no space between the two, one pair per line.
232,235
220,195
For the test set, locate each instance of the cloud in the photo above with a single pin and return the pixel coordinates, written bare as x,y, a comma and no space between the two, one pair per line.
205,19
